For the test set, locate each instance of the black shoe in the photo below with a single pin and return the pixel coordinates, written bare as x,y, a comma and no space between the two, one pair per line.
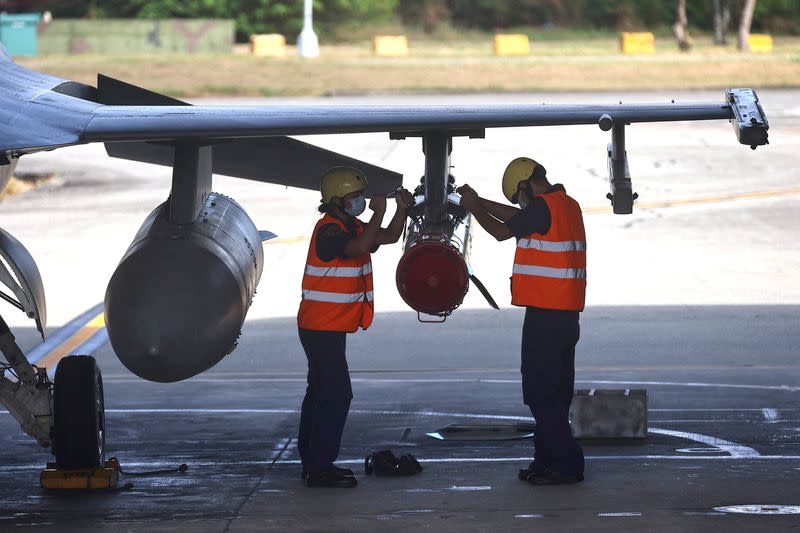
548,477
525,472
342,471
330,479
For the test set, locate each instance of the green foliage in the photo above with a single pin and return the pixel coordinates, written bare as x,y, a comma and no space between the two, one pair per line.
426,13
330,15
286,16
780,16
777,16
251,16
346,10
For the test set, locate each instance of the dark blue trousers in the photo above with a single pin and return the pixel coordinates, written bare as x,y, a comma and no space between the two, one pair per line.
327,399
548,380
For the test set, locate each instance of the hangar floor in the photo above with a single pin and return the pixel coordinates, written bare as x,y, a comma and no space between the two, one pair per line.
698,303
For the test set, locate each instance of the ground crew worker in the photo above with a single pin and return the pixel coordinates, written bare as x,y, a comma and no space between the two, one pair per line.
337,298
549,280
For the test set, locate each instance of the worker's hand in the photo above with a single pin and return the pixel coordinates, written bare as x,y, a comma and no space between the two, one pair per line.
469,198
378,204
404,199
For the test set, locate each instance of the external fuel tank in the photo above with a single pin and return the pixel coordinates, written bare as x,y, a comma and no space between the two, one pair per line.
177,301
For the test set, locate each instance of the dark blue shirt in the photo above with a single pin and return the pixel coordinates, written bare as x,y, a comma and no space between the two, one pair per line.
332,239
535,218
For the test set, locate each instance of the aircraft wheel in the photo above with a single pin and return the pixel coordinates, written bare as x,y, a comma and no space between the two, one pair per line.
78,413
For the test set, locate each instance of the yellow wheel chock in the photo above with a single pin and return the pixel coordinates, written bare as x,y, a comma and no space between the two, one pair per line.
105,477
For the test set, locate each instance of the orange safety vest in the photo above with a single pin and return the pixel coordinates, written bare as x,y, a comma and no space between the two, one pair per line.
337,294
550,270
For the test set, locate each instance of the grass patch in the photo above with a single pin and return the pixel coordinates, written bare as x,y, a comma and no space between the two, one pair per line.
444,66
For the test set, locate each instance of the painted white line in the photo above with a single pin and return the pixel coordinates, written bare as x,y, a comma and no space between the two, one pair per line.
384,412
786,388
203,411
707,421
693,384
387,412
528,516
289,411
611,515
734,449
710,410
771,415
760,509
526,460
434,460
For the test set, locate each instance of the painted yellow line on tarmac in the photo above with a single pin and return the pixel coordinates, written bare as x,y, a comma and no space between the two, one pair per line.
65,348
704,200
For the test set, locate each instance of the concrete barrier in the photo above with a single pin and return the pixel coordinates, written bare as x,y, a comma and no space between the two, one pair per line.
637,43
390,45
507,44
760,42
268,45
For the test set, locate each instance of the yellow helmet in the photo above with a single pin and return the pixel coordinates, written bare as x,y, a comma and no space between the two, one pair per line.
518,170
339,181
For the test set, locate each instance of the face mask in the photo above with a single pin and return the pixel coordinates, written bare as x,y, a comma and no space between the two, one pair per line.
521,203
356,206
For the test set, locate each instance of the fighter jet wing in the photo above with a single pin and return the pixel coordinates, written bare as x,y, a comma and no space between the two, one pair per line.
44,114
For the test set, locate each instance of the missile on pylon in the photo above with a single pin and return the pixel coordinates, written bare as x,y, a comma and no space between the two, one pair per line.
433,274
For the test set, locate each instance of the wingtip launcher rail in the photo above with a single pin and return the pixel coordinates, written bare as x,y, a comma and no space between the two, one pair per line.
749,121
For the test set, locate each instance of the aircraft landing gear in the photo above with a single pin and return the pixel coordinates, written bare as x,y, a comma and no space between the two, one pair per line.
78,414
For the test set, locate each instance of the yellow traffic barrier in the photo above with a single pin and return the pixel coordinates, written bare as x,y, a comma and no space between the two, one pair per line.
760,42
390,45
637,42
511,44
268,45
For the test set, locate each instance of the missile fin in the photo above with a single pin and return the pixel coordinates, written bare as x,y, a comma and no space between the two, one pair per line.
483,290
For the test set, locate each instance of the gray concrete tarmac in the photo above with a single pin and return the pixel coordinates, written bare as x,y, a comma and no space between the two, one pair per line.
699,303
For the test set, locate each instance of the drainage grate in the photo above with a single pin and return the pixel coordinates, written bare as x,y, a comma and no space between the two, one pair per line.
760,509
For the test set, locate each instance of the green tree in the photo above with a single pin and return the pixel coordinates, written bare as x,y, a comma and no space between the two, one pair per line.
427,13
253,16
348,10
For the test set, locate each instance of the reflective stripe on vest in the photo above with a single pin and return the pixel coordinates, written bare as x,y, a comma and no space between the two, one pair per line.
339,272
550,270
337,295
547,272
547,246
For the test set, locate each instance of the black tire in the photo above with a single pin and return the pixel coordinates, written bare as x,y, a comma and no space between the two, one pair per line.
78,413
